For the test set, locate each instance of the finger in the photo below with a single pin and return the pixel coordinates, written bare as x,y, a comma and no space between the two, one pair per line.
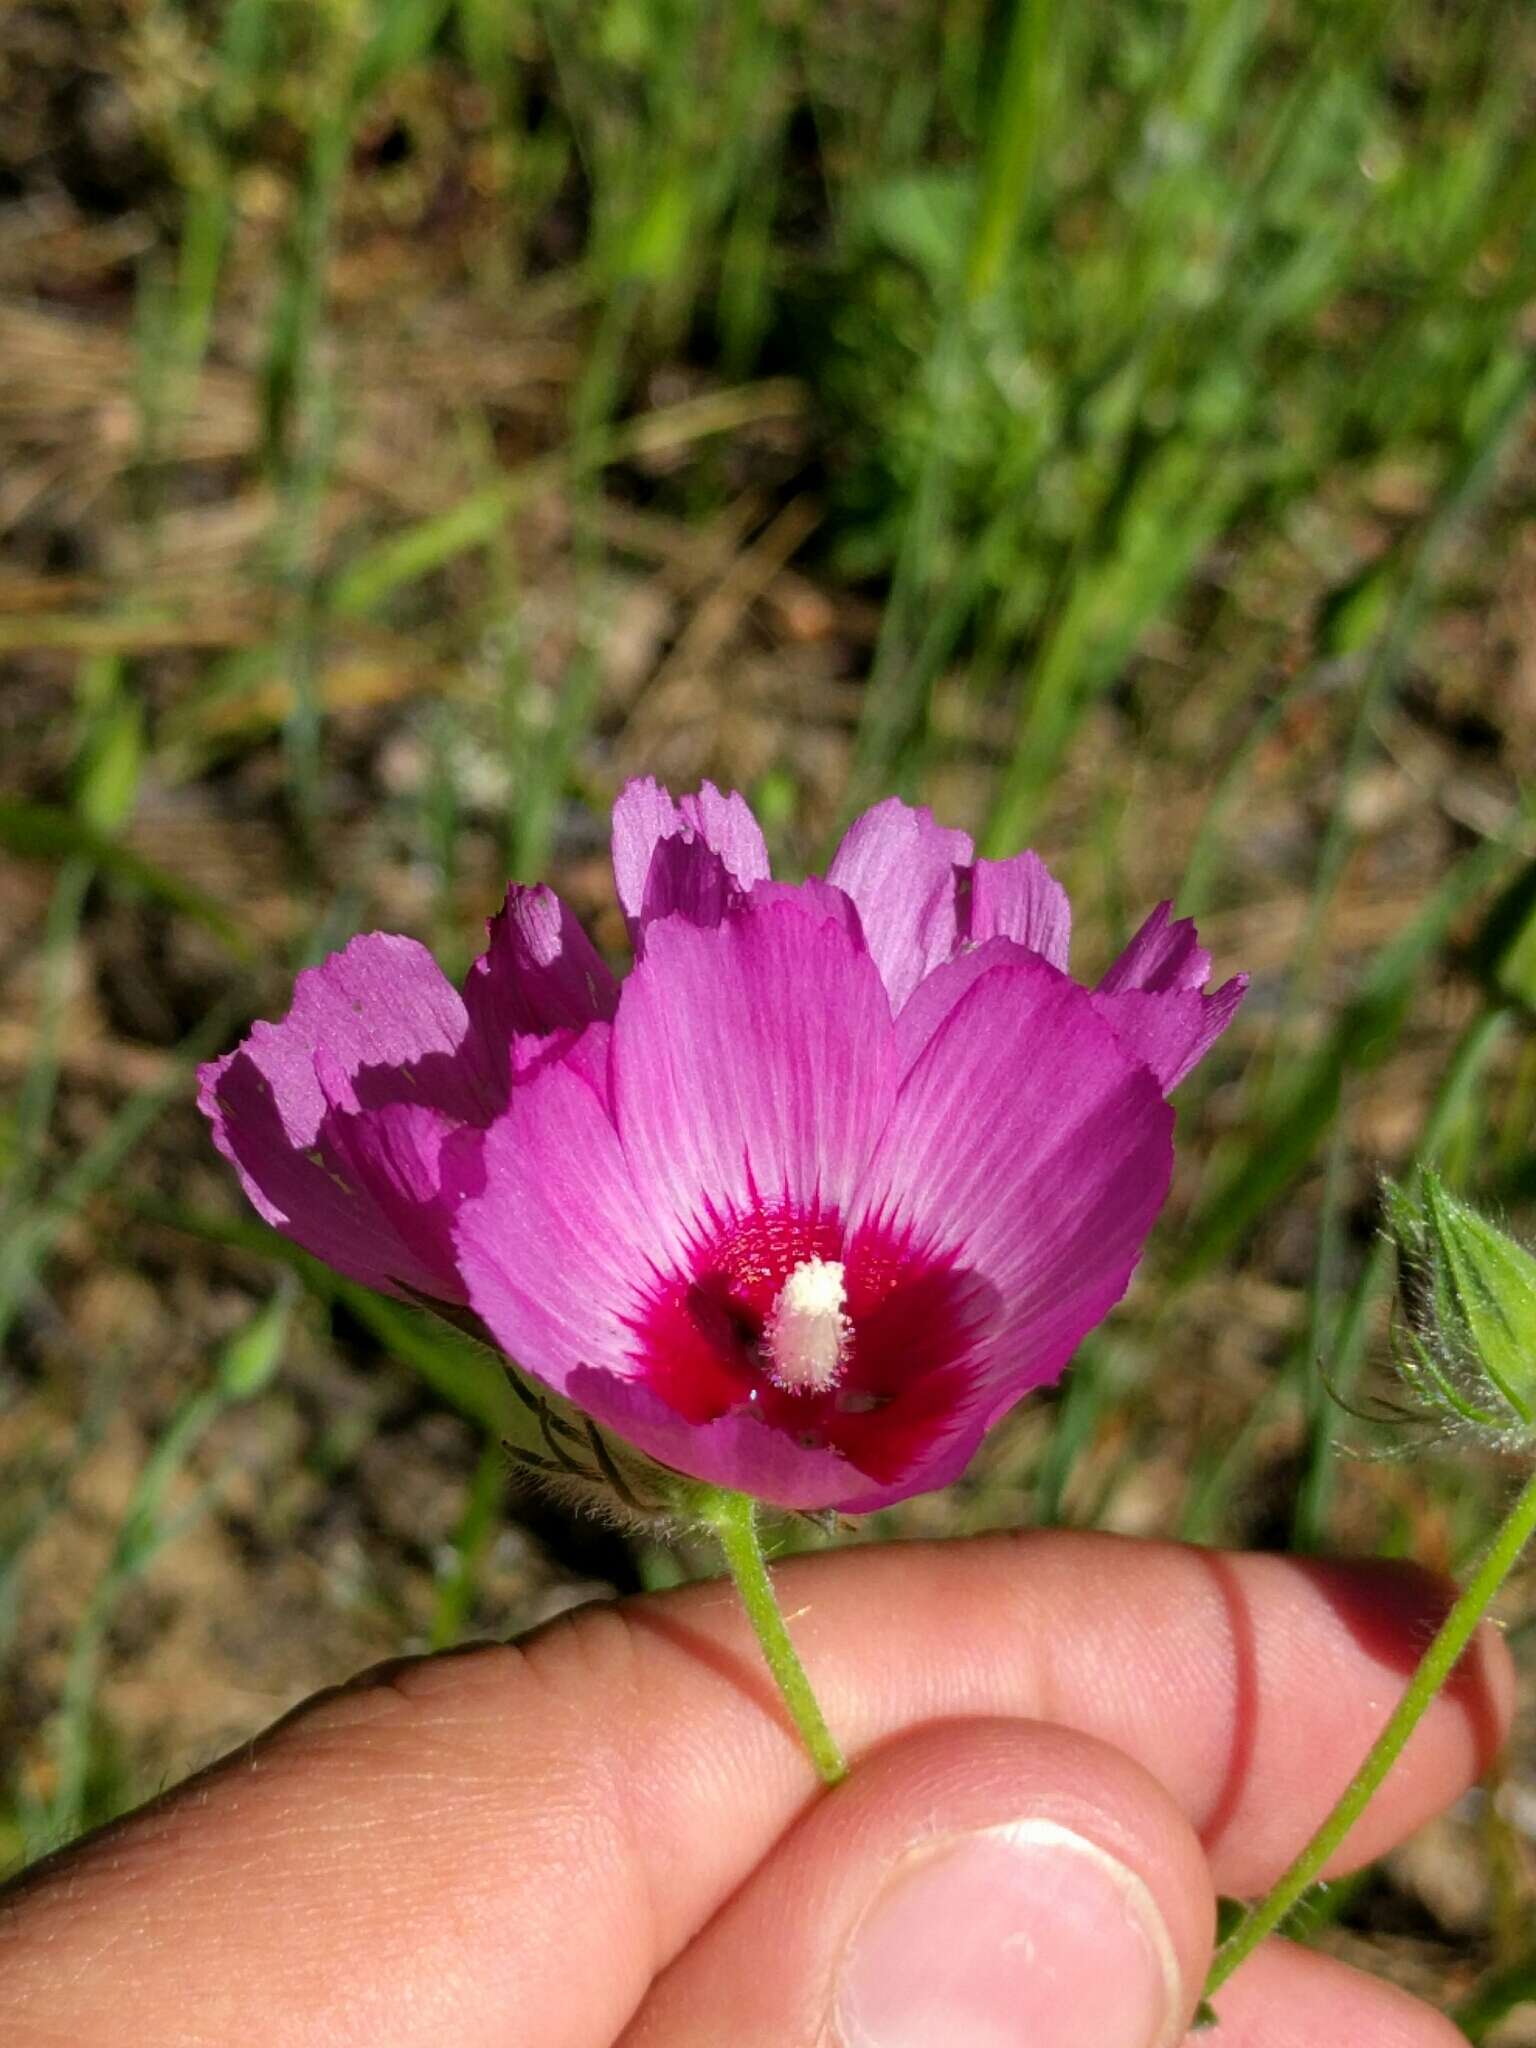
984,1882
1290,1997
521,1838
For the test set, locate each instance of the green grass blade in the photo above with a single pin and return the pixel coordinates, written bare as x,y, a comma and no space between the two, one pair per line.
47,833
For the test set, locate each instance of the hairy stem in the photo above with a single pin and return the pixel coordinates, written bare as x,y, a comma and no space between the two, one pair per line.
734,1519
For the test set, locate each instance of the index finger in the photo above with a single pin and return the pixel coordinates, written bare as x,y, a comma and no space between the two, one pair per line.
507,1844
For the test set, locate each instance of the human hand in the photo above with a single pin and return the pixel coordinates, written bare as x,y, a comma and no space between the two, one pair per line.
1063,1746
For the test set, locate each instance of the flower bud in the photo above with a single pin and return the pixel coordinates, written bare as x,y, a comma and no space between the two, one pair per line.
1471,1308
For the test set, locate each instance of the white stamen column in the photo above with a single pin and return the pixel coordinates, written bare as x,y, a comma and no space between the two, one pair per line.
807,1330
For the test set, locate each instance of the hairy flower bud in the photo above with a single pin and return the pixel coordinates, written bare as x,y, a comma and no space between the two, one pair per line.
1470,1300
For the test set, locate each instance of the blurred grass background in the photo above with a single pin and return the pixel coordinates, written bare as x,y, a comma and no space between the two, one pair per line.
1111,426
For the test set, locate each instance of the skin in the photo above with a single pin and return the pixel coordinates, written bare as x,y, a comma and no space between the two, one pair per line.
599,1835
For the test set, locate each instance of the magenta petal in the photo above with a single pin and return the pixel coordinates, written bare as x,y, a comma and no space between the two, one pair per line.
723,826
390,1035
901,869
752,1064
1020,899
555,1249
380,1004
539,974
936,996
1032,1149
726,825
738,1449
398,1173
1165,955
942,1461
397,1146
365,1194
1152,997
821,898
643,815
687,879
1170,1033
587,1056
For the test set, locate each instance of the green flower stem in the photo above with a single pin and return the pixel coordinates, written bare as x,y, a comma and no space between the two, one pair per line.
1438,1662
734,1519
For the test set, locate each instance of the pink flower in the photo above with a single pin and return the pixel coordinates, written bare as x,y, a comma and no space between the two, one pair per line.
842,1171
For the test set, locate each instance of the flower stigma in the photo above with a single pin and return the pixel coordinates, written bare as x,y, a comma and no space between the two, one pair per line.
807,1332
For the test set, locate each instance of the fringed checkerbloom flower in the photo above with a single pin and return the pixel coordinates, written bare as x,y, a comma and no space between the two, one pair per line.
839,1172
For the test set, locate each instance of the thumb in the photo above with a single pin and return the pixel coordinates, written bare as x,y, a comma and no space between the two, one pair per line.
985,1882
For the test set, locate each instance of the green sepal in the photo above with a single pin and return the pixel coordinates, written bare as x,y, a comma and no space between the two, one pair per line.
1469,1348
1487,1283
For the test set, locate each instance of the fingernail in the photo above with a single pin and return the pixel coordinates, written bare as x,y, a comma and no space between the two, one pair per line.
1024,1936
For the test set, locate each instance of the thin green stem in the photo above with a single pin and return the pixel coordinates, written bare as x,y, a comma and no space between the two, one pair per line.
1435,1668
734,1519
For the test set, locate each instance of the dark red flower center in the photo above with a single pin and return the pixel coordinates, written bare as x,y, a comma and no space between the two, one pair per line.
860,1344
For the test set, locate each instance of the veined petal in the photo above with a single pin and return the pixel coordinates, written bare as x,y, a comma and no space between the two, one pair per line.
369,1192
400,1173
931,1002
821,899
1020,899
1170,1033
539,974
555,1251
752,1064
1033,1150
643,815
687,879
587,1056
939,1461
376,1031
901,869
725,823
379,1005
1165,955
737,1449
719,825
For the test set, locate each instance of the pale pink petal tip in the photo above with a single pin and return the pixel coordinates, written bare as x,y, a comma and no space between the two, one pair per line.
539,975
696,858
1154,997
922,895
1166,955
902,870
